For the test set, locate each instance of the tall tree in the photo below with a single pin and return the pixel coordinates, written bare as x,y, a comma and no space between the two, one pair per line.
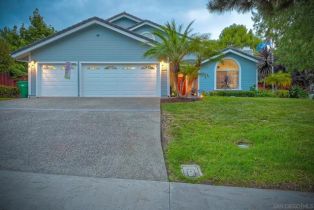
238,36
15,38
289,23
174,45
5,59
38,29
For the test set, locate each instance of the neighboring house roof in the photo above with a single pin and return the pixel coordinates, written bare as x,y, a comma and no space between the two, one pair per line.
79,26
145,22
235,51
122,15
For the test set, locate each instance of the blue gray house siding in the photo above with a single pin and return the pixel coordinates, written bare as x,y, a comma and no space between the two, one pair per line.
248,74
124,22
94,43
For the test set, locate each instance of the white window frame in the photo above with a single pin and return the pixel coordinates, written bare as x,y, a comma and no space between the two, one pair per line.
215,74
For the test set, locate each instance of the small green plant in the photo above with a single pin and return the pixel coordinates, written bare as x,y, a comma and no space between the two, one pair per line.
9,92
237,93
282,93
297,92
279,80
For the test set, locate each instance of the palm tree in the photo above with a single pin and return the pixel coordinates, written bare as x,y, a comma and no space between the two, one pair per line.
265,64
174,45
202,48
279,80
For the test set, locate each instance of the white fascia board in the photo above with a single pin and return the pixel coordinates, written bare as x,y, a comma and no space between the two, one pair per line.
123,15
16,55
232,51
142,24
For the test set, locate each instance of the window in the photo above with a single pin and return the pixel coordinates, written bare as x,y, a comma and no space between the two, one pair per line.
149,67
227,75
148,35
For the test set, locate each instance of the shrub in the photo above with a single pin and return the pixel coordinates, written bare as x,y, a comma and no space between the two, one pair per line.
9,92
256,93
265,93
297,92
238,93
282,93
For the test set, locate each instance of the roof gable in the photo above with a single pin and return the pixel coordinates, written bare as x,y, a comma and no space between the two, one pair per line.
233,51
144,23
94,20
124,15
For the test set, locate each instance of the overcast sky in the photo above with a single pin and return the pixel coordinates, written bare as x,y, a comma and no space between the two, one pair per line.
63,13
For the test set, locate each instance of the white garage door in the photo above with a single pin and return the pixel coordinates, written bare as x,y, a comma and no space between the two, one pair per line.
122,80
55,80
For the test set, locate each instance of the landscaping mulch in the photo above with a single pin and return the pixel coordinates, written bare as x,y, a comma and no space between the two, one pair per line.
179,99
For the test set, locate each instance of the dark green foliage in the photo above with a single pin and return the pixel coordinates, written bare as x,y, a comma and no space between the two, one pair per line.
238,36
17,70
5,59
288,23
267,7
237,93
251,93
291,30
15,38
297,92
8,92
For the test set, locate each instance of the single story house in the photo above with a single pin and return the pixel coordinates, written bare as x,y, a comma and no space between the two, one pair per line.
105,58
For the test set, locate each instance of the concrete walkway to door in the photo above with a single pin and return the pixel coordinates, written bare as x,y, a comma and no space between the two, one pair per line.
97,137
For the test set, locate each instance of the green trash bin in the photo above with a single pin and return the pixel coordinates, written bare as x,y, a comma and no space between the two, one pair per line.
23,88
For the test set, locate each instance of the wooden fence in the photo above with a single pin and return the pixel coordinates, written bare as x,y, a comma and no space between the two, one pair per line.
5,79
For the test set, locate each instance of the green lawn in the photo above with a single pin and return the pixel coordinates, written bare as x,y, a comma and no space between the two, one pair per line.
280,131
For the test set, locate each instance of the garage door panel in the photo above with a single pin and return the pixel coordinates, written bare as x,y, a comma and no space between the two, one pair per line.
53,82
119,93
136,81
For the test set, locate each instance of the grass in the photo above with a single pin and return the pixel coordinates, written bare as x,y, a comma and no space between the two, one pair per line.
5,99
280,131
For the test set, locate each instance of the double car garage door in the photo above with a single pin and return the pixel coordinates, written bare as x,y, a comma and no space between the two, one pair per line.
98,80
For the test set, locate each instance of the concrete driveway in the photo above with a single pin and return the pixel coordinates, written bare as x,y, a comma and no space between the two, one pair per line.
99,137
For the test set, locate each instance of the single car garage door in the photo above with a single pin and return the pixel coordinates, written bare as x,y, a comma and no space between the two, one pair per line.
58,79
122,80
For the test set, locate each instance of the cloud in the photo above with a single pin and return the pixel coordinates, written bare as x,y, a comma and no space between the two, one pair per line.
214,23
64,13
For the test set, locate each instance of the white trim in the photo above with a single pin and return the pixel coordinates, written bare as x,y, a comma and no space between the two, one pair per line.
256,78
240,77
16,55
158,80
144,23
232,51
123,15
37,80
29,72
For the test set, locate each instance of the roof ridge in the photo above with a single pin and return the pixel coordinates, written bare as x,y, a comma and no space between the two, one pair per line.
124,13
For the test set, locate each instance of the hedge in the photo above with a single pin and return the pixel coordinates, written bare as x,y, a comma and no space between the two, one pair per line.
9,92
258,93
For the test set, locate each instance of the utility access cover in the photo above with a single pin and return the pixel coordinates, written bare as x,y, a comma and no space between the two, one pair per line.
191,171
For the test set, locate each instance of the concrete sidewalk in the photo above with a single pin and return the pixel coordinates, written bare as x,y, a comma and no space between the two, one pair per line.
21,190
